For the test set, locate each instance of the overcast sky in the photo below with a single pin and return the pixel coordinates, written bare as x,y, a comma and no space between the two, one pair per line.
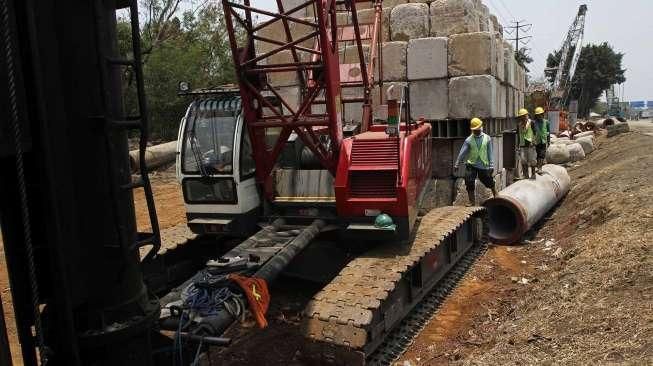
626,24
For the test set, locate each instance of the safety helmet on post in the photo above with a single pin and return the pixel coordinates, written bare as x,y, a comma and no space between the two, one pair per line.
475,124
539,110
522,112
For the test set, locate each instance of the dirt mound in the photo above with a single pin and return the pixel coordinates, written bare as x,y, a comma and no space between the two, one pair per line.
583,292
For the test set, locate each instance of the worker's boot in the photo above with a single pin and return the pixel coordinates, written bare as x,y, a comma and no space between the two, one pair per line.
524,170
533,170
494,192
471,195
540,162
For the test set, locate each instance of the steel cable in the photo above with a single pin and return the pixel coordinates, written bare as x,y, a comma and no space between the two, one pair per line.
22,189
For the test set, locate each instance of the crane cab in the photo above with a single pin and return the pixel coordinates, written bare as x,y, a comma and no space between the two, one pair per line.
215,167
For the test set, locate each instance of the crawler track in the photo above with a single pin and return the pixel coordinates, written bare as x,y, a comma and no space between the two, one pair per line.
356,313
402,337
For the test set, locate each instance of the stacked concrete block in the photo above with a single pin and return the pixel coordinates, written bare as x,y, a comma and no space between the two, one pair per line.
483,18
508,66
494,24
472,54
510,101
394,61
282,78
352,112
499,60
274,31
408,21
429,99
473,96
500,101
366,16
427,58
453,17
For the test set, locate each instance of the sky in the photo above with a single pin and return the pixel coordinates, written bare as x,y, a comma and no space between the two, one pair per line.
626,25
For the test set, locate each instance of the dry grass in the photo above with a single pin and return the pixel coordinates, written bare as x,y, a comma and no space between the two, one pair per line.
593,304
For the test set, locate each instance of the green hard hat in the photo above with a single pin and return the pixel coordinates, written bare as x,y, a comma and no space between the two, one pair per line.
383,221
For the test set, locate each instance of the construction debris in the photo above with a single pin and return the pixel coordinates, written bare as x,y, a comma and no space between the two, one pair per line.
618,128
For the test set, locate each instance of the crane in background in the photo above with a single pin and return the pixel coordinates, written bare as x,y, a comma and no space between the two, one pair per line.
564,74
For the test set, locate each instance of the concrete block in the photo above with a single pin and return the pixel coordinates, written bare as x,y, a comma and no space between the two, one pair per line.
510,101
500,101
472,96
366,16
500,62
427,58
282,78
349,54
449,17
429,99
273,31
298,30
352,112
408,21
290,4
508,57
446,26
472,54
394,61
450,6
290,95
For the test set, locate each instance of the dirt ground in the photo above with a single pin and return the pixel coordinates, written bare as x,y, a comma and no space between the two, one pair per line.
580,291
171,212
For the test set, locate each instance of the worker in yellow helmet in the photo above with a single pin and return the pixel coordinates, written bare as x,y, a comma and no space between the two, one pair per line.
527,154
541,128
477,149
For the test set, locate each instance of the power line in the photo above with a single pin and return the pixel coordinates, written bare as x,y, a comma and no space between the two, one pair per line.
507,9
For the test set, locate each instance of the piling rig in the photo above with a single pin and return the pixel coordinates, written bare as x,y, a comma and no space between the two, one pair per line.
337,202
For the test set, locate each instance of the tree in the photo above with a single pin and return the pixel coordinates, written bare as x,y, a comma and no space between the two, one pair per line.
599,67
523,59
191,46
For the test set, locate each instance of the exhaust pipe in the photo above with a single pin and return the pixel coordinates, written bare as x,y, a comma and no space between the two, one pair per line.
522,204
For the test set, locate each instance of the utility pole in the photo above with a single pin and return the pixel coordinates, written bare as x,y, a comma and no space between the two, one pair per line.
518,25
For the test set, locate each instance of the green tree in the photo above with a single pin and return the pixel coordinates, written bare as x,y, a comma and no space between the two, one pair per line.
191,46
599,66
523,58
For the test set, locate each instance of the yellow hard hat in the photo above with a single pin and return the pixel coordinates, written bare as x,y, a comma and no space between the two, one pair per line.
522,112
476,123
539,110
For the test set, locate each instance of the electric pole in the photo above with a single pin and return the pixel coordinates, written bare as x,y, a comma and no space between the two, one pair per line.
518,25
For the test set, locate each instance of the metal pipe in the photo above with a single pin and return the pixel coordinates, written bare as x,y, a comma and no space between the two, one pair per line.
522,204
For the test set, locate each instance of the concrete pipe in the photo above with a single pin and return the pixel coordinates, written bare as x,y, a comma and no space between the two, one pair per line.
583,134
522,204
587,143
576,152
155,156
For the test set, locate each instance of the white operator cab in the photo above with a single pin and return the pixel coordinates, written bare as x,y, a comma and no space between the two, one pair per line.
215,168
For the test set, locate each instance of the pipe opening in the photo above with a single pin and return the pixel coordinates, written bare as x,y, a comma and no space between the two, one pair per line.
505,220
502,222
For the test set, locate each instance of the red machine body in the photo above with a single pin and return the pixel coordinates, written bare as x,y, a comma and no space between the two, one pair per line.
382,174
374,172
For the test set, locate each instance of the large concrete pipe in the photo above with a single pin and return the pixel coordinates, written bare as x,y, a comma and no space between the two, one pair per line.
522,204
155,156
